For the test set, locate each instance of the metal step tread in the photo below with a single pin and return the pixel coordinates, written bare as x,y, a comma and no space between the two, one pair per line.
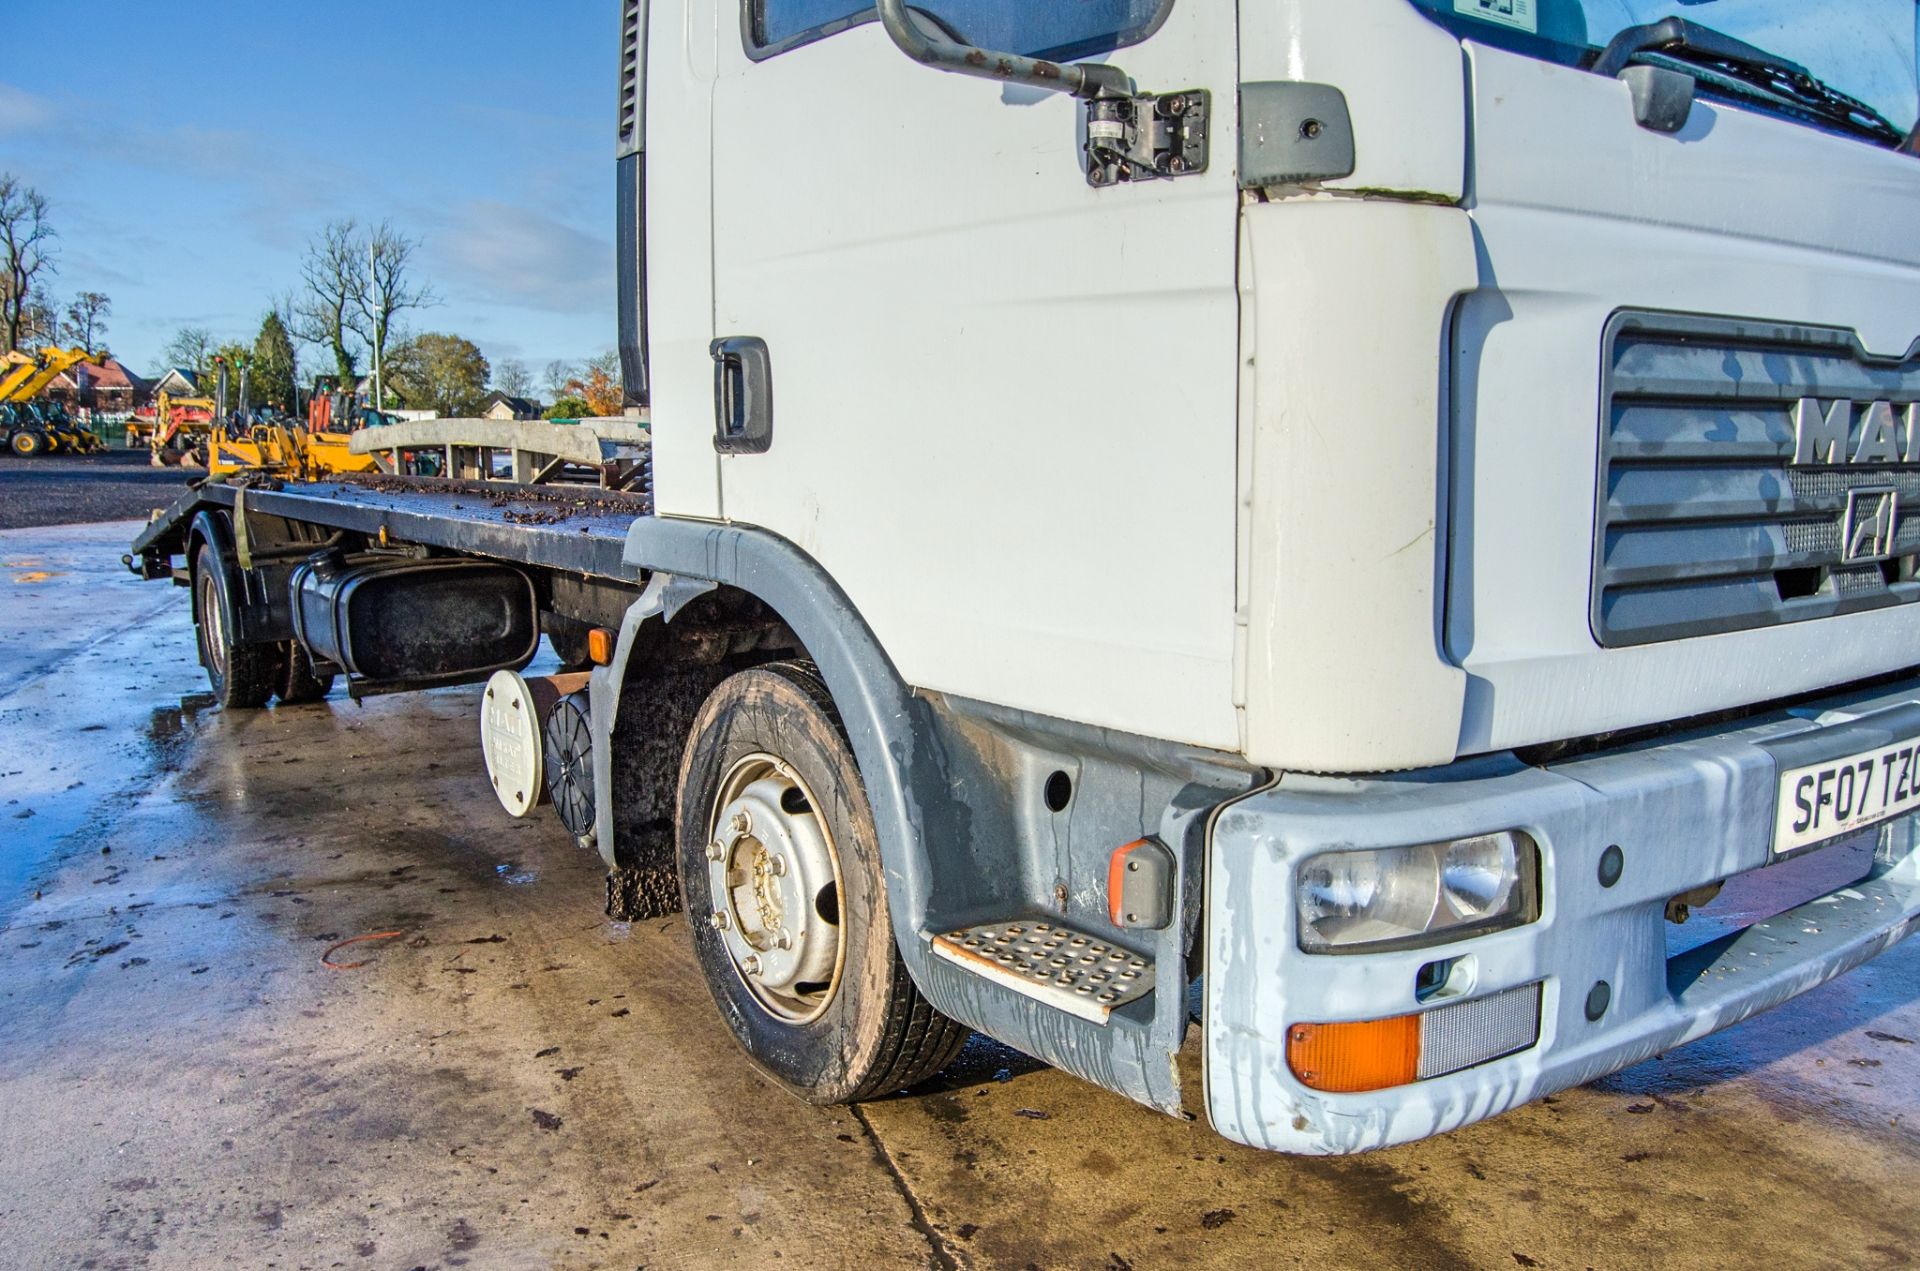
1079,973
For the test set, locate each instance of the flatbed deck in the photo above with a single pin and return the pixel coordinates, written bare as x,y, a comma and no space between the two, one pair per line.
581,530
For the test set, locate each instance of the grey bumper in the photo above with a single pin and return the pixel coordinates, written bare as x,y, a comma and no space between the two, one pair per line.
1684,813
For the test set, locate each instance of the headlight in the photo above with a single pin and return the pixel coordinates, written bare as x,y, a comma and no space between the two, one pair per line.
1398,897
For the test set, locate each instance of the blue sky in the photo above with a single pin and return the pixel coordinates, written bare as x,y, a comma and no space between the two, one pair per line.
191,150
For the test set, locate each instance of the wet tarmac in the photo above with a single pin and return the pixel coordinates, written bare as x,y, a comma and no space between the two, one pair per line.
198,1069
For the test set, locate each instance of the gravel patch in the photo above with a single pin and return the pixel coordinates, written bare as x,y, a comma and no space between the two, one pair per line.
112,485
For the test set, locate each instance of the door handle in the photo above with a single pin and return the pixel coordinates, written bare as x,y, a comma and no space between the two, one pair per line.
742,395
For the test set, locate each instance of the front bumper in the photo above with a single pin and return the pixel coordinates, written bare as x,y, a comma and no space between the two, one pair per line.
1686,811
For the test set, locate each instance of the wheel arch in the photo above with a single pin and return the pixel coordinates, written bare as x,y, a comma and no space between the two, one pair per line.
210,528
893,741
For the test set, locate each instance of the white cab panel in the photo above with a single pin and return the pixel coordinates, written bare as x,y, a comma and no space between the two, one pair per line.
679,159
1004,402
1346,329
1580,213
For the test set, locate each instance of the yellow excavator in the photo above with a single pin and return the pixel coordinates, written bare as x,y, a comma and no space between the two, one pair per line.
248,440
180,430
28,427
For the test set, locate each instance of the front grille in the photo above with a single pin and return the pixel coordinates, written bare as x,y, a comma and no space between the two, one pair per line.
1705,523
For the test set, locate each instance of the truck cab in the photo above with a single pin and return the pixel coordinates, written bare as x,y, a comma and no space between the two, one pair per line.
1474,433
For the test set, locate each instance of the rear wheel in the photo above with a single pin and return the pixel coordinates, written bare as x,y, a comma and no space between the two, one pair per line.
299,682
786,899
243,676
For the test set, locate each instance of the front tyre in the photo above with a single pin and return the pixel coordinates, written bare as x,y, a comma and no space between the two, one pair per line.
786,900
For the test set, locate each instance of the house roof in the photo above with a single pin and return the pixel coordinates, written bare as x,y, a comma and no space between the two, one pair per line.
106,373
180,373
518,405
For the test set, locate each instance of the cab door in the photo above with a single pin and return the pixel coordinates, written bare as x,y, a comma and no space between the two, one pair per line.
1001,397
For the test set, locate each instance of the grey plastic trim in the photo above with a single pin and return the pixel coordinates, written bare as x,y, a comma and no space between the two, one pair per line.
1662,98
1294,133
630,227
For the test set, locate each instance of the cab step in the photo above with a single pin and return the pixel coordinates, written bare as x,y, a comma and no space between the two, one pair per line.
1078,973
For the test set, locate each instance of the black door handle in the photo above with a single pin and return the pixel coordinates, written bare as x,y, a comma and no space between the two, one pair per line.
742,395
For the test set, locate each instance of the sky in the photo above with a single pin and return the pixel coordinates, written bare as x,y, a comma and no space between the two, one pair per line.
191,150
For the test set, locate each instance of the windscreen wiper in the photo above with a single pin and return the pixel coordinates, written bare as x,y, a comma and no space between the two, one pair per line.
1737,69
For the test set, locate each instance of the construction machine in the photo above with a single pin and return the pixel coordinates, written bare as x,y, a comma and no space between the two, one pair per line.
29,427
179,430
261,439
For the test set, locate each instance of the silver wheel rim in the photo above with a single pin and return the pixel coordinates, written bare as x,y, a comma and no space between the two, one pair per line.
211,620
774,878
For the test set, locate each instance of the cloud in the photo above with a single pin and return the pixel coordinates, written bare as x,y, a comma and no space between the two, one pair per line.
21,111
514,255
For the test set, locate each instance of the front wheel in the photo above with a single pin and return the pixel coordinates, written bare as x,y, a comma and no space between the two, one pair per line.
786,899
27,444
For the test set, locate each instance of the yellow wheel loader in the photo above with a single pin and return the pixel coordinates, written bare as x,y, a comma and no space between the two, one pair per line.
28,427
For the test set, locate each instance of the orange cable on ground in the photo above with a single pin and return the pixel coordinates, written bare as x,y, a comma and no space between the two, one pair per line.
348,966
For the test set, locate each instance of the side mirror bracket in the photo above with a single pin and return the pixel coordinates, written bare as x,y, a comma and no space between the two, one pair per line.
1130,136
1079,79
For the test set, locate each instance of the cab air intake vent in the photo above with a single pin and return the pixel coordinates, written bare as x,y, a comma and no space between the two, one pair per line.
633,36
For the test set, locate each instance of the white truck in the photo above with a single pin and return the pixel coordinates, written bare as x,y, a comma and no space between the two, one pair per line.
1386,529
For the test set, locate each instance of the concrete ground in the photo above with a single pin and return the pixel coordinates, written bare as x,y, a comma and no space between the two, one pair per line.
195,1072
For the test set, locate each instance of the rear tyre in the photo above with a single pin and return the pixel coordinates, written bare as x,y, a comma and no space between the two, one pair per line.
242,676
786,899
299,682
27,444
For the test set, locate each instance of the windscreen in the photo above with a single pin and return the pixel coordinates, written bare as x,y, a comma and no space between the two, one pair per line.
1864,48
1058,30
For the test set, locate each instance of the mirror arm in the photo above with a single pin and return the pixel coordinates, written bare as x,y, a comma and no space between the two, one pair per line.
1081,79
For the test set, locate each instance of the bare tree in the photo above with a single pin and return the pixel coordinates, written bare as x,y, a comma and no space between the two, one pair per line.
87,316
332,280
388,289
510,376
562,379
191,349
39,319
26,242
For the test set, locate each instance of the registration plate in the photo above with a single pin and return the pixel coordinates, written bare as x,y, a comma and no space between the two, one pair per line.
1822,800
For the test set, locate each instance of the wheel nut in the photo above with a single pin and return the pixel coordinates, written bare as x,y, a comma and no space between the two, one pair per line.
715,851
777,866
751,964
741,823
719,921
784,940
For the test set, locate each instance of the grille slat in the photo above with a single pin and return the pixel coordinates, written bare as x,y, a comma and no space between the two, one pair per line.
1704,525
